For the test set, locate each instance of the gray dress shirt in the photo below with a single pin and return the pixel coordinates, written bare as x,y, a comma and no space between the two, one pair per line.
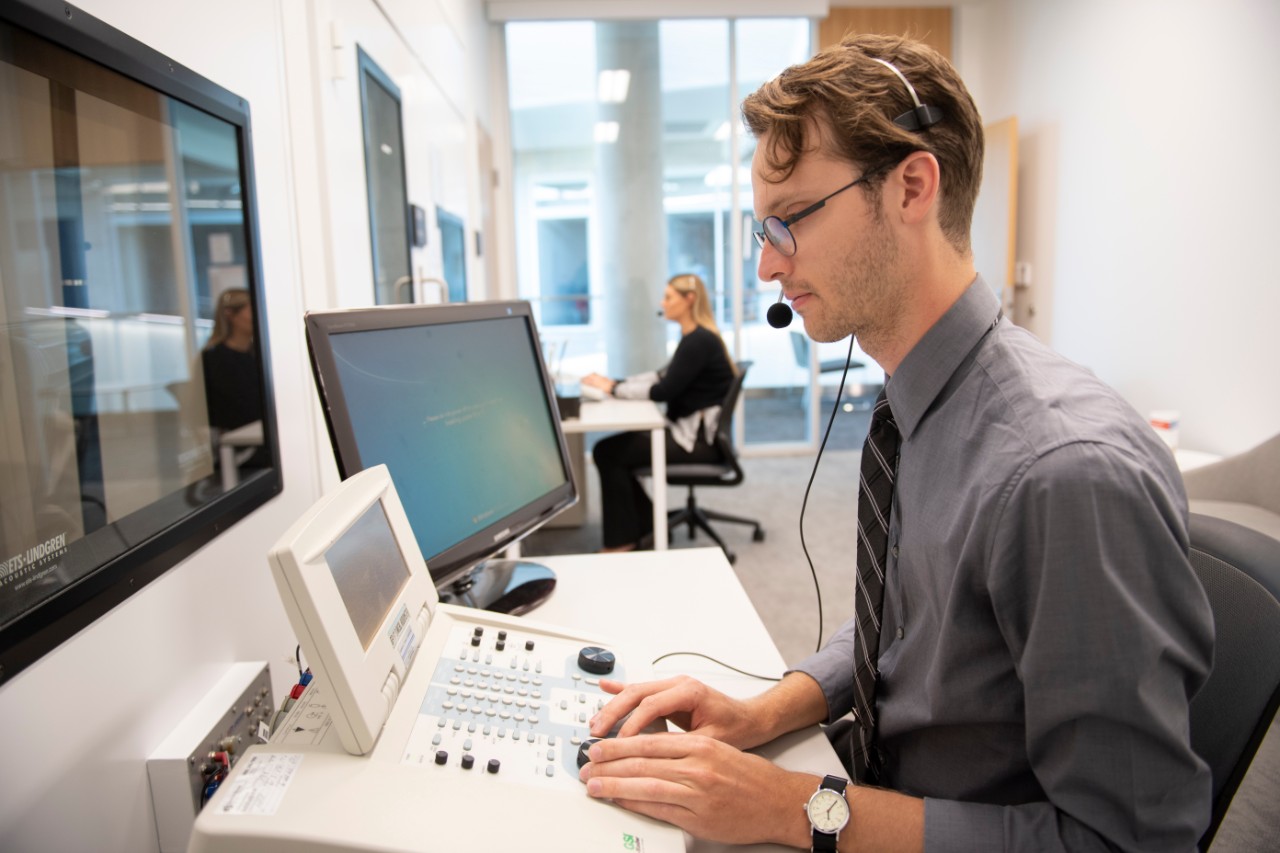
1043,630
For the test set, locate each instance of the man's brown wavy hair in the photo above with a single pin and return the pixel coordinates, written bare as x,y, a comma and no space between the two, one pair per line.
846,100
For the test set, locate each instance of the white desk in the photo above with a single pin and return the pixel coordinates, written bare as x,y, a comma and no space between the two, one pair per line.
1189,459
249,435
641,604
612,415
684,600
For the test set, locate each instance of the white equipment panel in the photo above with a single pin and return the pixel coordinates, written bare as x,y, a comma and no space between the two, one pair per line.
479,749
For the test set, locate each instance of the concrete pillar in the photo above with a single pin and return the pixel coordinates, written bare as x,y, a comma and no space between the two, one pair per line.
632,229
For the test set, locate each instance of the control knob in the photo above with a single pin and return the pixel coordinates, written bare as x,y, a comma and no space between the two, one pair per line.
582,750
596,660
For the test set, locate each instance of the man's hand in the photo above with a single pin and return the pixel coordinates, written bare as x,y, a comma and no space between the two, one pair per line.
687,703
702,785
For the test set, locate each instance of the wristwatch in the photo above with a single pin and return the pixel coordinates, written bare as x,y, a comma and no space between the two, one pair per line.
828,813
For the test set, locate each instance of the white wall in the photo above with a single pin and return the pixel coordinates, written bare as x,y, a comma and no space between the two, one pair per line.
1148,186
76,727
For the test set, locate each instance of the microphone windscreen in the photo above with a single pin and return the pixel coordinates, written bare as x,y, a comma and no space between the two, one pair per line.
779,315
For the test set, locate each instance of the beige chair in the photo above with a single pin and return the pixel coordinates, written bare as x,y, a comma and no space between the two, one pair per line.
1244,488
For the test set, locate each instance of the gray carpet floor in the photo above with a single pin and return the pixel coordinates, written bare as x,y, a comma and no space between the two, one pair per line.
777,577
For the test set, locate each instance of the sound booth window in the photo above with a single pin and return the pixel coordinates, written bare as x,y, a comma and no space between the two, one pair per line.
135,416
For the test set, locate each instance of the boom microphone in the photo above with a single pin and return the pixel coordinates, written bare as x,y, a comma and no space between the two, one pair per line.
779,313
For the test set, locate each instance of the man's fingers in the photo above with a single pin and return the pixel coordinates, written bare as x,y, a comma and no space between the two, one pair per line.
627,698
666,745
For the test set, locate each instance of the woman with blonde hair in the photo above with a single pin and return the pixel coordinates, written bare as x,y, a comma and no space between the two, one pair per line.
232,389
692,384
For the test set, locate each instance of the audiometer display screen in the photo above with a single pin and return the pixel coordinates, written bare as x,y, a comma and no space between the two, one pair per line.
368,570
459,414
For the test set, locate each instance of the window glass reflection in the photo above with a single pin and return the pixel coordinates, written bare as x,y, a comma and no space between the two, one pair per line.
121,229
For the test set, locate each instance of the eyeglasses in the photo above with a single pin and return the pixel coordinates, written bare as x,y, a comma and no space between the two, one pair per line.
778,231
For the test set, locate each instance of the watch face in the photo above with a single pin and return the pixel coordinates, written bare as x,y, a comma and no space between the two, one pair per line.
828,811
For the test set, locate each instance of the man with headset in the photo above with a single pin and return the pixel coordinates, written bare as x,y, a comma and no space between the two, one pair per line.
1041,632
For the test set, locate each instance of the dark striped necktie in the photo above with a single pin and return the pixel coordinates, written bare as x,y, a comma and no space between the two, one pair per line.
875,500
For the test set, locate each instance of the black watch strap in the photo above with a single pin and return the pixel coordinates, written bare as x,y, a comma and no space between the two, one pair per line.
825,842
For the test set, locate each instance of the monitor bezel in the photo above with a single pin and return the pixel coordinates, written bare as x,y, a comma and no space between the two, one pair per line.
362,682
39,630
454,563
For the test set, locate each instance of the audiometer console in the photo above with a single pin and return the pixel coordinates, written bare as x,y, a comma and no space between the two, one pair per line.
427,726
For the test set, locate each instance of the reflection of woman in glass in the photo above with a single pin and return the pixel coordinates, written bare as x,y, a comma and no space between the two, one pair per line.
231,385
693,385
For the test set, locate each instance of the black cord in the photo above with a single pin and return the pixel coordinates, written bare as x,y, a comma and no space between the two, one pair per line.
817,588
297,657
719,662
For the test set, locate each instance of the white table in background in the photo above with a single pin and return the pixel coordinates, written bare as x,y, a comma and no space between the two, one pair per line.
612,415
1189,459
686,600
249,435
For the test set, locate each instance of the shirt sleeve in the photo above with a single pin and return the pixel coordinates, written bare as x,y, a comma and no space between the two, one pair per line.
635,387
1111,635
832,667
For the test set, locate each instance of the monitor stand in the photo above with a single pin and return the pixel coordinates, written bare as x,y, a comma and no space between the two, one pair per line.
503,586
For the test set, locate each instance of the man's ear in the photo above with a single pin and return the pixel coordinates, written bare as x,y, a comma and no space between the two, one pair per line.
920,183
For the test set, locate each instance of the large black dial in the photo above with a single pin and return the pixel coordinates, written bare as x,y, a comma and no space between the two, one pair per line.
596,660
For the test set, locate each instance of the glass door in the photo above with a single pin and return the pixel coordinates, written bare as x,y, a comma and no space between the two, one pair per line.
390,221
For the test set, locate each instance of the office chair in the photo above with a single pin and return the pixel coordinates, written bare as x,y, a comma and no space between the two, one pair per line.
800,348
861,393
1240,571
725,473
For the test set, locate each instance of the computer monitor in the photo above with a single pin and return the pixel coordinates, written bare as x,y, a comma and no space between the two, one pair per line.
457,402
359,599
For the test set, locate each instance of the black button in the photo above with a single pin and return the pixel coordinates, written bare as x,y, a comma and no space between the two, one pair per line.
441,756
528,646
468,761
493,765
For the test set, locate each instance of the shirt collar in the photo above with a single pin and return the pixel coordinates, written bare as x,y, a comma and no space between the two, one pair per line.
931,363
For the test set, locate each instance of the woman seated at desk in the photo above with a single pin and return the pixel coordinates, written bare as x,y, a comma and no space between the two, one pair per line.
693,385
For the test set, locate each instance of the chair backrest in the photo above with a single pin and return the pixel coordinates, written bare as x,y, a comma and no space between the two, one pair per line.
1239,569
1249,477
726,472
724,430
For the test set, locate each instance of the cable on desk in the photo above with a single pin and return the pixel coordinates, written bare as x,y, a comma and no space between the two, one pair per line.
718,662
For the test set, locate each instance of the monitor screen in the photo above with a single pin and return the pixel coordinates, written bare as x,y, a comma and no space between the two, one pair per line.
456,401
368,571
